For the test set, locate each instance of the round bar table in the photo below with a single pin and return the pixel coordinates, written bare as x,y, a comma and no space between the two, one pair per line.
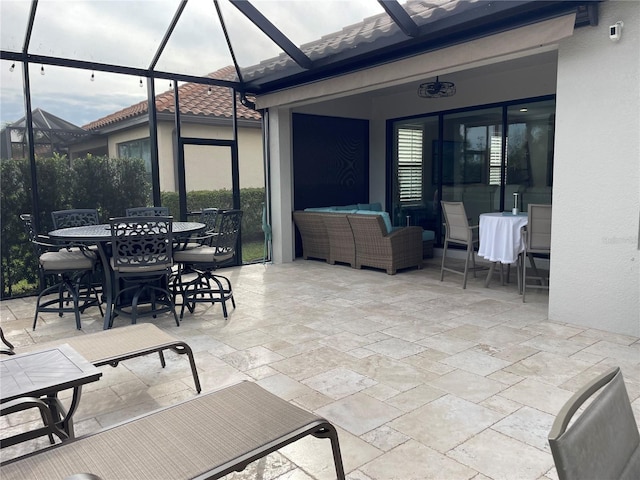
100,235
501,238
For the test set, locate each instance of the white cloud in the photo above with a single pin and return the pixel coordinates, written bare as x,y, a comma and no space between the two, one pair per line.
128,33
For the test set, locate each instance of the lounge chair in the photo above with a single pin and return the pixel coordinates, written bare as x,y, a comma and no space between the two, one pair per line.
208,436
110,347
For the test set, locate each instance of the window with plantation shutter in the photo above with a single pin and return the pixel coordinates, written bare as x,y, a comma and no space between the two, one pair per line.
410,164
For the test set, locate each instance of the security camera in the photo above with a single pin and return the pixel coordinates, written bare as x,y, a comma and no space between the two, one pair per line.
615,31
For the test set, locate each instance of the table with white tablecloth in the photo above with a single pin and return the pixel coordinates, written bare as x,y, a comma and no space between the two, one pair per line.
501,238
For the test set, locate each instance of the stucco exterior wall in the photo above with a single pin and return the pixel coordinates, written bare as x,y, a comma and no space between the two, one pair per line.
595,268
207,168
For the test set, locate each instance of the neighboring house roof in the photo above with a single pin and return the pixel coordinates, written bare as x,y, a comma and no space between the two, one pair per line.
195,99
52,129
47,121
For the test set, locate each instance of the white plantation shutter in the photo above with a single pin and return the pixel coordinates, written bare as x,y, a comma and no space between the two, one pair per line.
495,160
410,164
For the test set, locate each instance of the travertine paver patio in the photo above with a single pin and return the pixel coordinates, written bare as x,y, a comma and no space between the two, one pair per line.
423,379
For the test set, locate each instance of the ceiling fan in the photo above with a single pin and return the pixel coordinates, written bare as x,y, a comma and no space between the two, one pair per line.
436,89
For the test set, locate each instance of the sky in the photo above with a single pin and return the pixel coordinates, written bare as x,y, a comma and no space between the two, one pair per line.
128,32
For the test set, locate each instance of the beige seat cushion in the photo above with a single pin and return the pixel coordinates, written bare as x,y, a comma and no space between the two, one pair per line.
65,260
200,255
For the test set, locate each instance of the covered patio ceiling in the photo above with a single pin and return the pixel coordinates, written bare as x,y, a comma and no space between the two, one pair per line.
273,44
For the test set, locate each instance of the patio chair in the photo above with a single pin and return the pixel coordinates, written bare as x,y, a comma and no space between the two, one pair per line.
142,260
80,217
75,218
70,265
208,216
147,212
537,242
208,287
10,348
603,441
110,347
377,247
209,436
459,232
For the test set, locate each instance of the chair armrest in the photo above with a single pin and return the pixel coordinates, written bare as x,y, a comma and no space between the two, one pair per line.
404,234
24,403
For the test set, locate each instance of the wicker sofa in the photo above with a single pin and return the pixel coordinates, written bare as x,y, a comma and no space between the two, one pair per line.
359,238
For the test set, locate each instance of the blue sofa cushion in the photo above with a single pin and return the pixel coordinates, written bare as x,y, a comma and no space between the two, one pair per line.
384,215
342,208
320,209
428,235
376,206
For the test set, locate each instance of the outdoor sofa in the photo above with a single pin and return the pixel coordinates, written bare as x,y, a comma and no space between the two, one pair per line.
361,237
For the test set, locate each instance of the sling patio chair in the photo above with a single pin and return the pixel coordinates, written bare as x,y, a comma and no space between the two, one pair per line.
537,243
459,232
602,442
209,436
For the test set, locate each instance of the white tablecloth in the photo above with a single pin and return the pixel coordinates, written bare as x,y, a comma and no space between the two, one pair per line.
500,236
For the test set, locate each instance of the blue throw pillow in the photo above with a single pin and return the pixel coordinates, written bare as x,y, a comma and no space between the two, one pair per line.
345,207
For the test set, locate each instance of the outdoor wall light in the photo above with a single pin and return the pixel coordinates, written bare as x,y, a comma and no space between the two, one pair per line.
209,90
12,67
93,76
41,69
140,83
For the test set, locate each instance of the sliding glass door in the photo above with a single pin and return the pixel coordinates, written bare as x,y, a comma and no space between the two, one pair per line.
480,156
471,160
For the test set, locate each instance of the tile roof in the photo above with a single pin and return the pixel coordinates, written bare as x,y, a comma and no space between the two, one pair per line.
195,99
369,31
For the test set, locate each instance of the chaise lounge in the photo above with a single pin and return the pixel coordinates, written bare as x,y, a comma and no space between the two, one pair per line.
208,436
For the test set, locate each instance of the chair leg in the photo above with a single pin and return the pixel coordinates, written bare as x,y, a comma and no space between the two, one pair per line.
444,255
524,276
466,266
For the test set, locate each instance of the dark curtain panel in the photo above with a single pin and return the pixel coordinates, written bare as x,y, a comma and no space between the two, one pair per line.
330,161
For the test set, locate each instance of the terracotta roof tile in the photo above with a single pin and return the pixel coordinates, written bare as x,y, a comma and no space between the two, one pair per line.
195,99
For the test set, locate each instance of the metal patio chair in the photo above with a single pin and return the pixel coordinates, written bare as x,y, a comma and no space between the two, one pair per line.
142,260
208,287
147,212
75,218
70,265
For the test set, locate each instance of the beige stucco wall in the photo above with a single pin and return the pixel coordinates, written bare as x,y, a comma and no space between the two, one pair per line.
207,168
595,268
